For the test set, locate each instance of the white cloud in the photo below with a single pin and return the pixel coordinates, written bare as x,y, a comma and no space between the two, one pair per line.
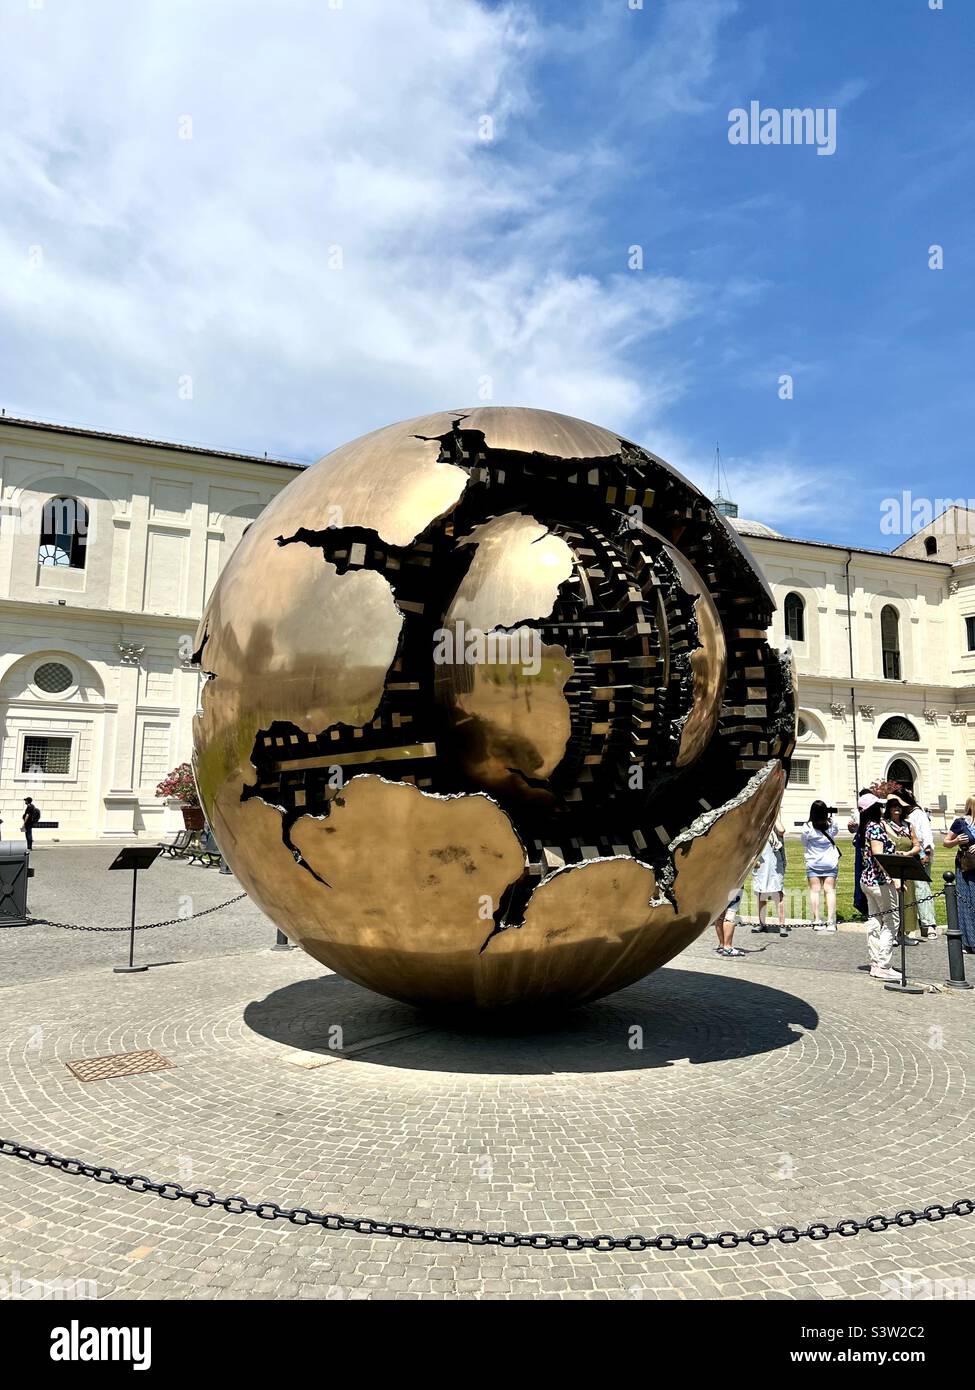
312,128
778,487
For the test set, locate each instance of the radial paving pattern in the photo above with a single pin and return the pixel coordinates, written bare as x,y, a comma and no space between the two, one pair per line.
774,1097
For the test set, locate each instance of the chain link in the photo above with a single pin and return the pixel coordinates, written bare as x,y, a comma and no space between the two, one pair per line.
536,1240
143,926
895,911
174,921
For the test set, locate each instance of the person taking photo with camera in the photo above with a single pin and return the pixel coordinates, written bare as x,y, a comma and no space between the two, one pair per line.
822,855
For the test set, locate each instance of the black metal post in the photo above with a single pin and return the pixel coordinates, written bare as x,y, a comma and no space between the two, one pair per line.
956,953
901,986
135,889
131,968
282,943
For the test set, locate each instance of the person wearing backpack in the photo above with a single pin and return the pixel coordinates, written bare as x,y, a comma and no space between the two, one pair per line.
32,815
822,855
962,835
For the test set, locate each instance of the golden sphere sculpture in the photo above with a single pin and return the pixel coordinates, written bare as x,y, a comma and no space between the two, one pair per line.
491,717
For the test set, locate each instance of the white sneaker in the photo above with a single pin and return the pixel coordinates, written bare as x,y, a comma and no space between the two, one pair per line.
830,926
884,972
820,926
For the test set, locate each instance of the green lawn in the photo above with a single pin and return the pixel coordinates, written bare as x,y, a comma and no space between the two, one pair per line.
797,889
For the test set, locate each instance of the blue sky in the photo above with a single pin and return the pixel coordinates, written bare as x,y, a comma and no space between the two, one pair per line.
273,227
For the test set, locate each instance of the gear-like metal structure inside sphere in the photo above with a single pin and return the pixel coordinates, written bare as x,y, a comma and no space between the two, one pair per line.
491,716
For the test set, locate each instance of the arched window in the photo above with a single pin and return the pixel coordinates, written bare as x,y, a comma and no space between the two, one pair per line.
890,642
930,545
795,621
900,729
64,533
902,772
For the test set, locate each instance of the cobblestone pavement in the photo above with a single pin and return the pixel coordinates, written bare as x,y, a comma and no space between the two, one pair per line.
780,1088
72,884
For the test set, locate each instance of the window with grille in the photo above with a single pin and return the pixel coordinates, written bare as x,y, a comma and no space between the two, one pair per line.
53,677
799,776
900,729
890,641
47,756
64,534
795,620
970,633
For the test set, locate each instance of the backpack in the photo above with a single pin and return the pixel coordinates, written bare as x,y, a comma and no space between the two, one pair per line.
966,857
33,815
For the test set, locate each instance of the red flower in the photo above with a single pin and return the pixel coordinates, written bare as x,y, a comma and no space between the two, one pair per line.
181,784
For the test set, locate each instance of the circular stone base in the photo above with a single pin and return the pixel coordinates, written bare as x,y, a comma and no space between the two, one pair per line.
699,1099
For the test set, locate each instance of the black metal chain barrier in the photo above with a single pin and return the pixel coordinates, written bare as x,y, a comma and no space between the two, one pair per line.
892,911
895,911
143,926
538,1240
174,921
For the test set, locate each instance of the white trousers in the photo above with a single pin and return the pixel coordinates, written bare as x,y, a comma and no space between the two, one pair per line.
924,897
881,930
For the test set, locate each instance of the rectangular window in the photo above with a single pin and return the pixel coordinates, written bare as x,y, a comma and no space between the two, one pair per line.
793,623
970,633
46,756
799,776
892,666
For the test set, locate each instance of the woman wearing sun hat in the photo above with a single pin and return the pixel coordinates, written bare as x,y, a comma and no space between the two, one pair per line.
905,841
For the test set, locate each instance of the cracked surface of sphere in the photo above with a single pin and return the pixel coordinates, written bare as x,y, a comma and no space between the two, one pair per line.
491,718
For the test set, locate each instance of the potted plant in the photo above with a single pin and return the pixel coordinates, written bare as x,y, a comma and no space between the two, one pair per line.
180,785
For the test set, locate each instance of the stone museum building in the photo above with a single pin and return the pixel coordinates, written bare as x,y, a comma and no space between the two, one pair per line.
109,547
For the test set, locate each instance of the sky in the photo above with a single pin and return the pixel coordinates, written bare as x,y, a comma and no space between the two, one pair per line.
272,227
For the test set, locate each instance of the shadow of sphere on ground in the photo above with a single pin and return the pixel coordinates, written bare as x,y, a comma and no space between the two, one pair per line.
672,1016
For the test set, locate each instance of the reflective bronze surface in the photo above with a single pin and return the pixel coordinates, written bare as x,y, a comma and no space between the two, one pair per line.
491,718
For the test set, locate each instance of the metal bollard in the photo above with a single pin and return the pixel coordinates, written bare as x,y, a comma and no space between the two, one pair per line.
283,944
956,955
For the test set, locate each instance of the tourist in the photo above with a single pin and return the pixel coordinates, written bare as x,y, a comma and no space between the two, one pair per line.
768,879
724,925
31,816
822,855
877,887
962,835
905,842
920,822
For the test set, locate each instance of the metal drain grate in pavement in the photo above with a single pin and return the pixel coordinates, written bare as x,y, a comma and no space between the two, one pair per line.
121,1064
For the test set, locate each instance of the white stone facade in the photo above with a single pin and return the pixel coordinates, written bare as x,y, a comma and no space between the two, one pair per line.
927,691
94,682
111,633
